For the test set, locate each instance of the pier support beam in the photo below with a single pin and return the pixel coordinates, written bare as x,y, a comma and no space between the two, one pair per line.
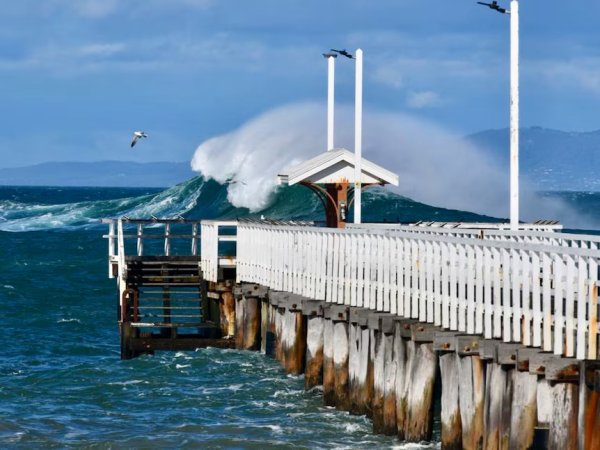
401,385
523,410
450,416
293,337
360,367
227,314
589,405
313,374
423,366
495,395
471,377
248,316
328,365
340,362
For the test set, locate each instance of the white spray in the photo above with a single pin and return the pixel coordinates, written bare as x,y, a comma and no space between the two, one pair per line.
435,166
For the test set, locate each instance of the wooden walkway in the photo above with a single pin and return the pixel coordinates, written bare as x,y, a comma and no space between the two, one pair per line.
536,288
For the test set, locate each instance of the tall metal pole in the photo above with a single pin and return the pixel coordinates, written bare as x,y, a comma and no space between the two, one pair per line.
330,100
514,115
358,136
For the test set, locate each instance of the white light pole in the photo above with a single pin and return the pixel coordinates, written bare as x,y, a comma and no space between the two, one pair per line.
358,136
514,106
330,97
514,115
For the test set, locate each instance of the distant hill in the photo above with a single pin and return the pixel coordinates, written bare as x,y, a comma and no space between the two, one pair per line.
550,159
101,173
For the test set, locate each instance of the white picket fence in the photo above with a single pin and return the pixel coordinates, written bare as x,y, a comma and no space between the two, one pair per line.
532,287
210,260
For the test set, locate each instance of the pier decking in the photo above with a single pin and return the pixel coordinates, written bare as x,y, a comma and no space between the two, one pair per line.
501,326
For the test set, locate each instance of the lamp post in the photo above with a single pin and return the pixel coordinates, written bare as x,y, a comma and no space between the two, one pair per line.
358,137
330,56
514,106
358,57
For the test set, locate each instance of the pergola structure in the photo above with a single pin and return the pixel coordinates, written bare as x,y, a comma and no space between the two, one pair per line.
331,176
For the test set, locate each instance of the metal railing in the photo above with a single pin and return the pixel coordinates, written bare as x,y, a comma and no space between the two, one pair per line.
529,287
207,233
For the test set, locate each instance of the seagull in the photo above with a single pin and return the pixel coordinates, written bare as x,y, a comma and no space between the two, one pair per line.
343,53
494,5
136,136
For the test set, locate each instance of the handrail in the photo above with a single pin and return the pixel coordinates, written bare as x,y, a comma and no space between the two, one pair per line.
121,251
536,293
206,232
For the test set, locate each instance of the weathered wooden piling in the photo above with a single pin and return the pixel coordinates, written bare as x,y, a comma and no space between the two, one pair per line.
360,370
420,385
450,415
248,317
401,357
495,393
340,360
313,374
227,313
384,373
471,398
293,340
328,364
523,410
589,406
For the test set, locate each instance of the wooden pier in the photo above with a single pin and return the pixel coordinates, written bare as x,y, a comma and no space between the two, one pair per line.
498,327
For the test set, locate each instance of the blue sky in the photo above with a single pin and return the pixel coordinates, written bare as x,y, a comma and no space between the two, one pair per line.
78,76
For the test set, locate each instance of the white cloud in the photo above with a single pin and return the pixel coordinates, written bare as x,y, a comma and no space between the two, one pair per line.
582,73
423,99
94,9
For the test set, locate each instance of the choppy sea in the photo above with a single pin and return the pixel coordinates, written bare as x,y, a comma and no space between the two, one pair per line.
62,383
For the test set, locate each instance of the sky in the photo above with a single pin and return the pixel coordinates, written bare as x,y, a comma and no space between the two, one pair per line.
78,76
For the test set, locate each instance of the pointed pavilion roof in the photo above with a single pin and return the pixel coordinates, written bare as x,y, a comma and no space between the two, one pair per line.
336,166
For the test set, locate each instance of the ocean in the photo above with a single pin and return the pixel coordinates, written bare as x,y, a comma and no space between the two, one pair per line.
62,382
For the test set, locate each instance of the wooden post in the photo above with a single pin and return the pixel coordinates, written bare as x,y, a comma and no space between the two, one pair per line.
272,331
247,317
563,428
340,362
354,335
378,347
389,387
339,193
419,424
313,375
451,422
495,387
240,306
279,316
361,381
524,410
471,398
293,342
227,314
328,365
589,405
252,323
264,324
400,355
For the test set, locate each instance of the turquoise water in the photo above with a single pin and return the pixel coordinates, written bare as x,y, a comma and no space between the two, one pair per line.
62,383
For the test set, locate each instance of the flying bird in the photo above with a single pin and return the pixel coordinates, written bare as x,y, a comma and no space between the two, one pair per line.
494,5
343,53
136,136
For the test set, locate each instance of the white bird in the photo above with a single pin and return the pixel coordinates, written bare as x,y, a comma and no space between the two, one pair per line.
136,136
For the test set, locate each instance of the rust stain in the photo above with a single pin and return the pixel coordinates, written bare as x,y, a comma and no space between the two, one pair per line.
592,422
